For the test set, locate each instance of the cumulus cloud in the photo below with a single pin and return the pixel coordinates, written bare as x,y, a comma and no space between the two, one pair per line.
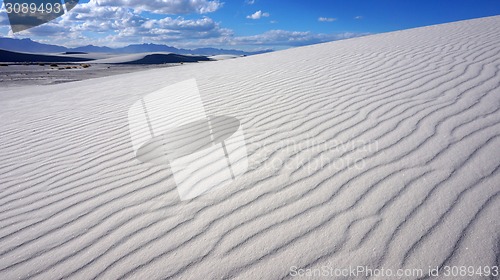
258,15
121,24
181,29
326,19
358,17
292,38
166,6
4,20
274,38
47,29
117,26
91,17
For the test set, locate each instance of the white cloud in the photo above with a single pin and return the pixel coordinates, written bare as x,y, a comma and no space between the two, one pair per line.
4,20
120,24
292,38
203,24
181,29
258,15
91,17
358,17
47,29
274,38
326,19
117,26
172,7
249,2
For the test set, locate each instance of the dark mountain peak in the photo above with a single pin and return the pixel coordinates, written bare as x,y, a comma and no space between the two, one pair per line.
27,45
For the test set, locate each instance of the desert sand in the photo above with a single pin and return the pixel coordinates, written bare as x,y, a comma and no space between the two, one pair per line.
15,75
21,69
376,152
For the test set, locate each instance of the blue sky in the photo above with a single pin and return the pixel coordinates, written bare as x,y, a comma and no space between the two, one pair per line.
243,24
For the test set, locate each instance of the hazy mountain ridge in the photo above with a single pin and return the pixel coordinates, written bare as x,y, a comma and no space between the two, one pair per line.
28,45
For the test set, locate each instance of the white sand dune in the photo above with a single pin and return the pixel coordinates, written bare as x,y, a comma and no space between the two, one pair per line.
91,56
10,56
150,58
121,58
224,56
413,181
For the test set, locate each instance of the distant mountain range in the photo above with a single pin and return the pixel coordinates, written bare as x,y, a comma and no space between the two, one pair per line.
27,45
